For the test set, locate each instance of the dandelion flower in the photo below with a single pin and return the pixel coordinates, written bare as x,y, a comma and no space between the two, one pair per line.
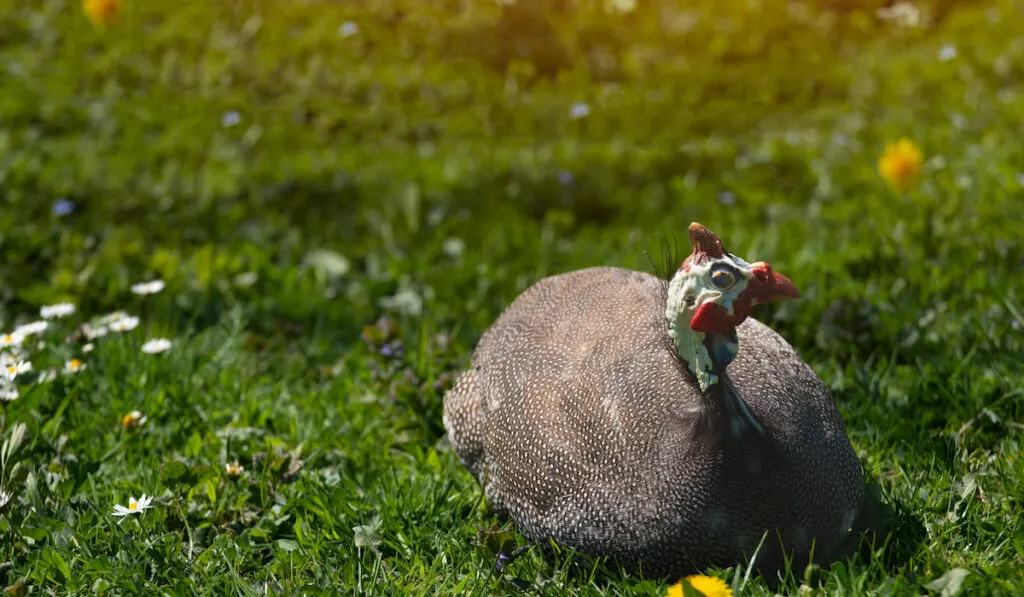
101,12
133,420
11,339
151,287
8,392
73,366
56,311
709,586
124,324
134,506
900,164
156,346
13,370
28,329
233,469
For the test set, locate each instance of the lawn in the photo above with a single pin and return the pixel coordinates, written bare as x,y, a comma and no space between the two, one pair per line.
341,196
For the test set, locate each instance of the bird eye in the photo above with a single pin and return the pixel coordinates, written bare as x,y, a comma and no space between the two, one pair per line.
722,279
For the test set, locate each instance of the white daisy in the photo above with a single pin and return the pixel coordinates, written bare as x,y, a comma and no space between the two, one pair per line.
109,318
156,346
28,329
56,311
88,347
621,6
13,370
151,287
133,419
134,506
74,366
901,14
47,376
11,339
10,358
233,469
124,324
91,333
8,392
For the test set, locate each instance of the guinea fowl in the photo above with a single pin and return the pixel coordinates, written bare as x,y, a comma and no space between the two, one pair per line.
656,424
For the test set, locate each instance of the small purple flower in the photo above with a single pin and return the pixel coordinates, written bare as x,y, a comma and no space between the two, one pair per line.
63,207
726,198
947,53
503,560
230,119
392,349
565,177
442,383
348,29
579,110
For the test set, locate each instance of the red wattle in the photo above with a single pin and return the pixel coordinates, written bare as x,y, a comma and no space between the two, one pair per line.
714,318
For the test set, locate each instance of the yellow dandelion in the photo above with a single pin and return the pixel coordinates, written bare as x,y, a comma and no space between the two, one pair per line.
900,164
102,13
709,586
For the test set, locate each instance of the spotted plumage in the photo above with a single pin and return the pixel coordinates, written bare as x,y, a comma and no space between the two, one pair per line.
585,425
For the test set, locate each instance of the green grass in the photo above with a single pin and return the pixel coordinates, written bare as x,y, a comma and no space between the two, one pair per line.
427,170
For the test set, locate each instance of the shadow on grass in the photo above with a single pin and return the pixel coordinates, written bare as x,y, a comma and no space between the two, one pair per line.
888,532
887,535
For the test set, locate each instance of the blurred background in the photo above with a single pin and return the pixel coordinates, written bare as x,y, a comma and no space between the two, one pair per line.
456,151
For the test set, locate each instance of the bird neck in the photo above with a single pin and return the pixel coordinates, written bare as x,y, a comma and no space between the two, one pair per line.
707,355
704,354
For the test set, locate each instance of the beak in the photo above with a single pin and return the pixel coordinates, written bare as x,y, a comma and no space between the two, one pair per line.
768,286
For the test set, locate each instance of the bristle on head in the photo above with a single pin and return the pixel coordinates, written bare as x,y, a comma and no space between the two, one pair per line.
706,245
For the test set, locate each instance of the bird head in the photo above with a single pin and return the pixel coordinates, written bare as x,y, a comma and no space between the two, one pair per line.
717,289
